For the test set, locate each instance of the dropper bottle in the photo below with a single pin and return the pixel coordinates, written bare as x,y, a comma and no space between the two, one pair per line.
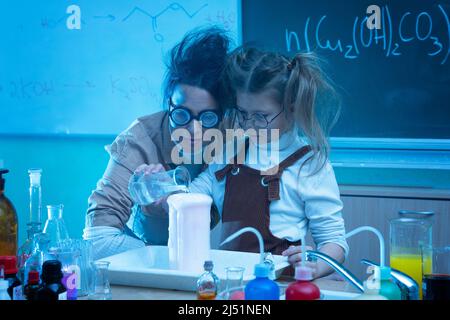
370,293
260,288
387,287
303,288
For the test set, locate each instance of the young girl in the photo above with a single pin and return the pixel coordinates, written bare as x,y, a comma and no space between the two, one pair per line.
274,92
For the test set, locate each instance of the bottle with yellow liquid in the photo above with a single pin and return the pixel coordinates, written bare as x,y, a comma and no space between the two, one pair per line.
8,222
409,234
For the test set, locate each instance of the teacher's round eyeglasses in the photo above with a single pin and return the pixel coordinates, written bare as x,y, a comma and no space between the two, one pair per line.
181,116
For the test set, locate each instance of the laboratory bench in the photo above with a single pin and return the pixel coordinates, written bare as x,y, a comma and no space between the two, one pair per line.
139,293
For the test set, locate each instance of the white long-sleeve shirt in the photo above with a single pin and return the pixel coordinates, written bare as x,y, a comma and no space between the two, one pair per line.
306,201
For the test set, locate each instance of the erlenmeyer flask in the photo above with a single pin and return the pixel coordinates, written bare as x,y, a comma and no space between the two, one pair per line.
55,226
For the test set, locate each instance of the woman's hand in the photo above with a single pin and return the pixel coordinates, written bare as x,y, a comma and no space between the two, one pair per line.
159,207
294,254
149,168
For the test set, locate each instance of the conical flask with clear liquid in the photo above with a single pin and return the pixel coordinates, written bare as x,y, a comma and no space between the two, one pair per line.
55,226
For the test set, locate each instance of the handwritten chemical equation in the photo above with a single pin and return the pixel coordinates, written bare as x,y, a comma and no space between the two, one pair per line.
74,20
122,87
396,33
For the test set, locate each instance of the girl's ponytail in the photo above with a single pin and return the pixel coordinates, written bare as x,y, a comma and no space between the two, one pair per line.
309,93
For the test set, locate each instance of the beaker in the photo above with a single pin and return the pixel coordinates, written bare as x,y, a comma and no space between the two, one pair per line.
234,280
409,234
68,254
145,188
55,226
101,289
436,273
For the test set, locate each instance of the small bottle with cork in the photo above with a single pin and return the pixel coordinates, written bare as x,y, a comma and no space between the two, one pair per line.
208,283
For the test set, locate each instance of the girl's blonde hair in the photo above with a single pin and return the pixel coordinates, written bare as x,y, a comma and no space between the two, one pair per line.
299,84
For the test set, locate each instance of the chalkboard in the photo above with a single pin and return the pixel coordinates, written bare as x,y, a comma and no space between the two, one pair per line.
94,67
394,81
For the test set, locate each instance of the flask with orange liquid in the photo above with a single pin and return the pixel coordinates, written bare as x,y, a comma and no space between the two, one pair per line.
208,283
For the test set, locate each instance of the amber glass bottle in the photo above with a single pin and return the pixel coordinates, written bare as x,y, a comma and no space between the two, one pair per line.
8,222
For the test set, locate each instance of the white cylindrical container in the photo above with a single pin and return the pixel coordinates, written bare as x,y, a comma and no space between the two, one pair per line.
189,233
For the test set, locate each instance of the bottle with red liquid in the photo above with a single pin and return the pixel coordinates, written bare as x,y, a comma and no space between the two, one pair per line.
9,264
303,288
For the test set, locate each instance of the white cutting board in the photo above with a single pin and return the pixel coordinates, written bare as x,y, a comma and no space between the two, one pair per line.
149,267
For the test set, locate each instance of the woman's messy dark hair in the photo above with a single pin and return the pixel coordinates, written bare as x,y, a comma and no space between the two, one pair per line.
198,60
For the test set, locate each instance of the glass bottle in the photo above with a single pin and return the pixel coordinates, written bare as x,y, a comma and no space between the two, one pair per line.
39,255
101,289
8,222
52,288
208,283
409,234
55,226
34,223
32,286
26,250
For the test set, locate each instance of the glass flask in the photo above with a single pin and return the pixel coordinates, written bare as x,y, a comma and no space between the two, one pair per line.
436,273
208,283
147,188
101,290
26,250
55,226
39,255
409,234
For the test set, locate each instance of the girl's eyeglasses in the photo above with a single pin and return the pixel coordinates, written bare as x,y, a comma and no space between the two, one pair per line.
256,121
181,116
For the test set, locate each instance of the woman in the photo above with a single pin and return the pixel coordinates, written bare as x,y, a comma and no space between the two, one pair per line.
192,94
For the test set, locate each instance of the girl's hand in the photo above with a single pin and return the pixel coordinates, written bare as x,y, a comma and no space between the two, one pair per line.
149,168
294,254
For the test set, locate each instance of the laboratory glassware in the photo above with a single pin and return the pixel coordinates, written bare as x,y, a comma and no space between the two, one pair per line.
436,273
55,226
408,235
101,289
8,222
234,282
34,221
145,188
208,283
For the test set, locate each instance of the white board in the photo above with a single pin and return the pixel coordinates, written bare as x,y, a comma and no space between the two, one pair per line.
96,79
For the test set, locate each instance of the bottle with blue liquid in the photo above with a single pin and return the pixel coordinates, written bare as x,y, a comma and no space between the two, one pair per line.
262,288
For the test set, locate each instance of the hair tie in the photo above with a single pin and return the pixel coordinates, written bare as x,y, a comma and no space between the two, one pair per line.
291,64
